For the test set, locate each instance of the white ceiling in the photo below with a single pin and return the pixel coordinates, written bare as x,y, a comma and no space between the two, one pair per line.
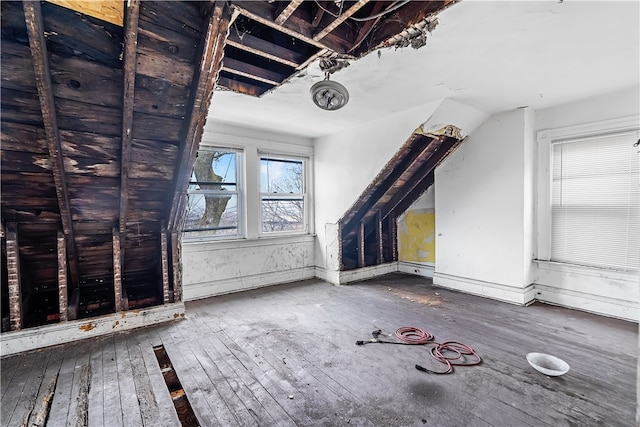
493,56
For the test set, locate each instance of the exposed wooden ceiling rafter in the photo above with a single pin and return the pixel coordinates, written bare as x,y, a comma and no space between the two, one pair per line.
129,75
339,20
38,46
287,11
199,99
251,71
263,12
265,49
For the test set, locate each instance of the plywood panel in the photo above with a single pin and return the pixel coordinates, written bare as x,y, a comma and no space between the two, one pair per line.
107,10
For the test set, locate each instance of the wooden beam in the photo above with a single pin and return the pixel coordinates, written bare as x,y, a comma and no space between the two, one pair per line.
176,264
379,249
204,80
37,44
251,71
63,293
447,146
361,235
287,11
339,20
166,298
368,25
393,237
13,268
262,12
129,79
117,271
265,49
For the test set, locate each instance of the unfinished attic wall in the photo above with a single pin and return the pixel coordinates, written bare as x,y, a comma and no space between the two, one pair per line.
417,236
348,162
344,164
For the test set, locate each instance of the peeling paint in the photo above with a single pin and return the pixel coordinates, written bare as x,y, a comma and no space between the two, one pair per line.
88,326
416,236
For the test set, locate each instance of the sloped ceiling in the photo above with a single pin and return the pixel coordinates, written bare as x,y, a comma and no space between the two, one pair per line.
492,55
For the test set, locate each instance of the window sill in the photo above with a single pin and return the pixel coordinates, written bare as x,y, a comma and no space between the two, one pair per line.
562,267
193,243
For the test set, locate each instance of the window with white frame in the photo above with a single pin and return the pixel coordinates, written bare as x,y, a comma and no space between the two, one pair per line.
283,194
215,193
594,200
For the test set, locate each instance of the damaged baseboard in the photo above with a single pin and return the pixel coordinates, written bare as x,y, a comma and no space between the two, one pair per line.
59,333
611,307
356,275
194,291
520,296
417,268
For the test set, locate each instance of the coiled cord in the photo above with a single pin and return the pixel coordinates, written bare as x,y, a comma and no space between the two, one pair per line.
449,353
452,353
413,335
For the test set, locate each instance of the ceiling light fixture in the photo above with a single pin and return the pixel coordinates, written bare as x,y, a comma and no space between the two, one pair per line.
329,95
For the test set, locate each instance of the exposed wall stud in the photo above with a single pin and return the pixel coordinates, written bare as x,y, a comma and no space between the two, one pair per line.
13,266
62,276
165,265
117,271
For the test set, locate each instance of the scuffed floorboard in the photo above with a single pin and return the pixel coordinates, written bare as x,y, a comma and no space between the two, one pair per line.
286,356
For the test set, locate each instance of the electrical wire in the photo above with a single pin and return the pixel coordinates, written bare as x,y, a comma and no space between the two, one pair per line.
368,18
384,12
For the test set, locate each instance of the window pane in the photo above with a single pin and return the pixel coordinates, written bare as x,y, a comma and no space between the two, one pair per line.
215,166
280,214
213,187
215,212
596,203
281,176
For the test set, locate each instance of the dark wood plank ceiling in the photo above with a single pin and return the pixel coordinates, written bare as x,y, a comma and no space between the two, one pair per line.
368,234
99,124
270,41
101,121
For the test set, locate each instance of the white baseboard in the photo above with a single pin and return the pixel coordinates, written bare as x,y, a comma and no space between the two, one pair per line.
356,275
60,333
331,276
521,296
417,268
612,307
365,273
194,291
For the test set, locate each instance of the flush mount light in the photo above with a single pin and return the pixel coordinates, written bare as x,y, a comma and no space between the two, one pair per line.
329,95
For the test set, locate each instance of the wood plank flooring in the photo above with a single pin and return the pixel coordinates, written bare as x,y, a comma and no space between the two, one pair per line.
286,356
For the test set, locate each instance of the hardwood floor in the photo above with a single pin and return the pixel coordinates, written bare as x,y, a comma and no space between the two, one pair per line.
286,356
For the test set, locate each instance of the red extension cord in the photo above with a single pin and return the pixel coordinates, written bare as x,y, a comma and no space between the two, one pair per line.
450,353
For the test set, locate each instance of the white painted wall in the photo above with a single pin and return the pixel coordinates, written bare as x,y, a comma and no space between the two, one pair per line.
481,211
486,215
214,267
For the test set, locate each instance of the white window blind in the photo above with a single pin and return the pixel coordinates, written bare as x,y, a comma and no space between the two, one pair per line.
596,202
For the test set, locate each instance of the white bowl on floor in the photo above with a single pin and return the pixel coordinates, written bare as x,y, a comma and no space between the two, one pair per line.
548,364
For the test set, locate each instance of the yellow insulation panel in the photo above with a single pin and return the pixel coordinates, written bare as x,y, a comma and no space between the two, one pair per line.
417,236
107,10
